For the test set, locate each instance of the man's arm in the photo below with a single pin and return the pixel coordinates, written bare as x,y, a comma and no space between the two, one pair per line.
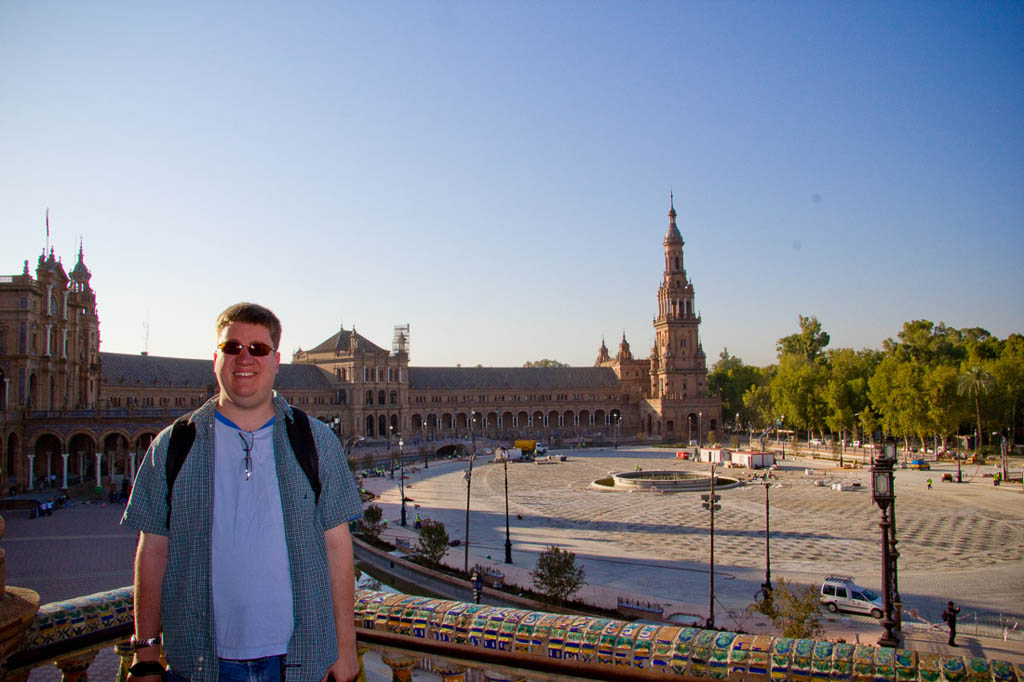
343,594
150,564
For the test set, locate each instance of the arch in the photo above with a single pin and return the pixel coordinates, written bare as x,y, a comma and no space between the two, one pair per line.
491,424
11,464
462,421
142,442
48,463
600,417
416,422
553,419
507,420
115,447
522,419
538,420
394,397
382,426
381,397
432,422
446,421
33,391
568,418
370,431
584,418
394,425
369,397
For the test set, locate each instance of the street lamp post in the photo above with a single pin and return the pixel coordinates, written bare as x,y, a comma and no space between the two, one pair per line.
766,588
401,476
469,485
700,430
710,502
426,451
472,428
508,530
884,496
391,458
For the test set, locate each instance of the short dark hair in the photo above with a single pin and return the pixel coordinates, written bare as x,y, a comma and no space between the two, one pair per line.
251,313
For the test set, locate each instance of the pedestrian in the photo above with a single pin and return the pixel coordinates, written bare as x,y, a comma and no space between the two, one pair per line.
949,616
929,483
245,566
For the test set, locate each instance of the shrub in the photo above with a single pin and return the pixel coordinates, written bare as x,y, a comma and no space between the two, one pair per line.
433,543
794,609
372,524
557,576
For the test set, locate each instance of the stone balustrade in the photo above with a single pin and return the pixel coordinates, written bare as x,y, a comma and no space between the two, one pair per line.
451,637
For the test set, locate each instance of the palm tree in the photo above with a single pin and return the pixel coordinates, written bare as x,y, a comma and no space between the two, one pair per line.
975,381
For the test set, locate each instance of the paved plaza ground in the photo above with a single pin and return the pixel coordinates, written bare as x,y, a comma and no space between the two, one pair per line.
961,542
957,541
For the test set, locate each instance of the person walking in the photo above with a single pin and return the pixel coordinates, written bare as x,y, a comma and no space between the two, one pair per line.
949,616
244,561
929,483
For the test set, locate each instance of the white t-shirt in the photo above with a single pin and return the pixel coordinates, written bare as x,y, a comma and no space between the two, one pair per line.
250,578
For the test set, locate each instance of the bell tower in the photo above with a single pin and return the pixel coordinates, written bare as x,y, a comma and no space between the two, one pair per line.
680,371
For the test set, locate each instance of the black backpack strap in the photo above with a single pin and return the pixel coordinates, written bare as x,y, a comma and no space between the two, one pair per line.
183,434
300,435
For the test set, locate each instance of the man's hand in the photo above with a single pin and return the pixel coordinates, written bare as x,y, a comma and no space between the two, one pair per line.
345,669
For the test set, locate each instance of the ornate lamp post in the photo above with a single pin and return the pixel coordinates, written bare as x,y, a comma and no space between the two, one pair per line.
401,476
884,496
426,464
391,458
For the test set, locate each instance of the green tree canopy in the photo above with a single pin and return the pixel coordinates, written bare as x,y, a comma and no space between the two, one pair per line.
544,363
808,343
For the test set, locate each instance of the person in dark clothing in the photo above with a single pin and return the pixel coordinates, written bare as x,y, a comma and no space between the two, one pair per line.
949,616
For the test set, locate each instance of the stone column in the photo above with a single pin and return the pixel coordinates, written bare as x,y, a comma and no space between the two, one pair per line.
31,472
131,465
64,482
401,666
99,464
18,607
450,672
76,668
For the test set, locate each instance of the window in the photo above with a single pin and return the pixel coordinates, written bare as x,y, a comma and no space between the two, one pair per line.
829,590
369,397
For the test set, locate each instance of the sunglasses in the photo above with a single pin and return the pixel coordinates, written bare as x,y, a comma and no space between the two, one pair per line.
256,349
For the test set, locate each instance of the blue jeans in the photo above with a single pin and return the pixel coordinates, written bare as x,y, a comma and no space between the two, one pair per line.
269,669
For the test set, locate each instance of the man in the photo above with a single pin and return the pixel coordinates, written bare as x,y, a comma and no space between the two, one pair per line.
247,574
949,615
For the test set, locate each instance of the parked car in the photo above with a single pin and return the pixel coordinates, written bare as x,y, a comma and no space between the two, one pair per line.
840,593
855,443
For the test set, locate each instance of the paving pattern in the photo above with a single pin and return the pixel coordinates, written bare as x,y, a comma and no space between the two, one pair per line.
964,542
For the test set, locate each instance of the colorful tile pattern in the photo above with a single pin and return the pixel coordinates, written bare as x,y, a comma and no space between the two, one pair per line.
666,649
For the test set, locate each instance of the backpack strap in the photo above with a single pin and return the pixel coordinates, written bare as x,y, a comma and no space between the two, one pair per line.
300,435
183,434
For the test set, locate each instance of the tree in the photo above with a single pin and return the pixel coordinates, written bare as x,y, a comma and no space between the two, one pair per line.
798,391
433,543
1008,373
557,576
945,405
973,382
730,379
846,389
371,525
809,342
794,609
544,363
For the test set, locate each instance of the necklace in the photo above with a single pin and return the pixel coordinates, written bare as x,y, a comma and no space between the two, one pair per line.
247,446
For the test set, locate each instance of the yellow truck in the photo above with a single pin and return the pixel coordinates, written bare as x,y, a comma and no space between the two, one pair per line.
527,446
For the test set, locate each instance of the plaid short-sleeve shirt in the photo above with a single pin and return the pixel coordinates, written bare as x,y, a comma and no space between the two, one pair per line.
186,605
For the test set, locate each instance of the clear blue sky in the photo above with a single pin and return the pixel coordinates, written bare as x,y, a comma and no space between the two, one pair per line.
497,174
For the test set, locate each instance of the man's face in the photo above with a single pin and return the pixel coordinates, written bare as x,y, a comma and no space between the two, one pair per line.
246,382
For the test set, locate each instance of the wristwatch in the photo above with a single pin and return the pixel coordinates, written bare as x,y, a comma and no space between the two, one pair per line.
137,644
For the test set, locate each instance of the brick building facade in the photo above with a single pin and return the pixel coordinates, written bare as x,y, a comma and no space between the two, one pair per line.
67,410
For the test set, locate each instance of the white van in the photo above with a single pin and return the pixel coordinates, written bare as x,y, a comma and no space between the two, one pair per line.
839,593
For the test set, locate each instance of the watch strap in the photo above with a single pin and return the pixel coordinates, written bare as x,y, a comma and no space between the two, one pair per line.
144,643
145,668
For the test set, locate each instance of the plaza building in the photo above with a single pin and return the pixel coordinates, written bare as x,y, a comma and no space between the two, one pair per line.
70,413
